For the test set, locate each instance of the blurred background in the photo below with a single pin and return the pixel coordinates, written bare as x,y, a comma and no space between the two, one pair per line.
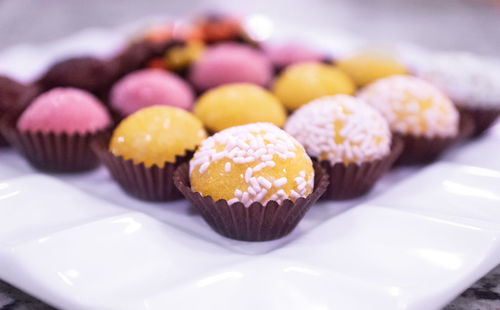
469,25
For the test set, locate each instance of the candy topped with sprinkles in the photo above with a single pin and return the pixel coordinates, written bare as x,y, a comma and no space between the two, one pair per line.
469,81
341,128
65,110
257,162
286,54
412,106
227,63
148,87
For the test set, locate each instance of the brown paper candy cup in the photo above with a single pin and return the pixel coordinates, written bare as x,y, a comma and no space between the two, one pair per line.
116,116
483,118
254,223
354,180
423,150
3,142
50,151
137,54
146,183
11,108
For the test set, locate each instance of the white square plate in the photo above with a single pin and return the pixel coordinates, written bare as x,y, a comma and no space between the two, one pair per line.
78,242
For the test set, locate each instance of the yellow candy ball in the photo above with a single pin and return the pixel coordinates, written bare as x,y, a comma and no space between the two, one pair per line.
238,104
252,163
367,67
304,82
180,57
156,135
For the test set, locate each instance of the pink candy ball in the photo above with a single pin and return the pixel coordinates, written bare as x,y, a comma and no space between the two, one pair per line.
231,63
64,110
287,54
150,87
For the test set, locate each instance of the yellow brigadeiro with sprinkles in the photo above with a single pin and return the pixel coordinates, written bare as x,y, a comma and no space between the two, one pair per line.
252,163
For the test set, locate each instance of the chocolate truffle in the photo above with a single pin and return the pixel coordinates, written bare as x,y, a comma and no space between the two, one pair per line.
88,73
133,57
14,96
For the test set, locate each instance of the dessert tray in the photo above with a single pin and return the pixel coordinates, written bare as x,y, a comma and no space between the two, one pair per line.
78,241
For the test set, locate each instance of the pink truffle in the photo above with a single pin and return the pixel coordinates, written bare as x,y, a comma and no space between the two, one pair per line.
148,87
287,54
64,110
231,63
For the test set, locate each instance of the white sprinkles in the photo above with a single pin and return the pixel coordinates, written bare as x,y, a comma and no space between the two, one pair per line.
412,106
365,133
254,143
470,81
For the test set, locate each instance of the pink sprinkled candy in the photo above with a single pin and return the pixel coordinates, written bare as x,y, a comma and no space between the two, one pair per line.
150,87
290,53
64,110
231,63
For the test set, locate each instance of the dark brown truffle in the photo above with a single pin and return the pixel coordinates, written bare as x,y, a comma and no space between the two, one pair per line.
133,57
10,92
138,54
14,95
86,73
